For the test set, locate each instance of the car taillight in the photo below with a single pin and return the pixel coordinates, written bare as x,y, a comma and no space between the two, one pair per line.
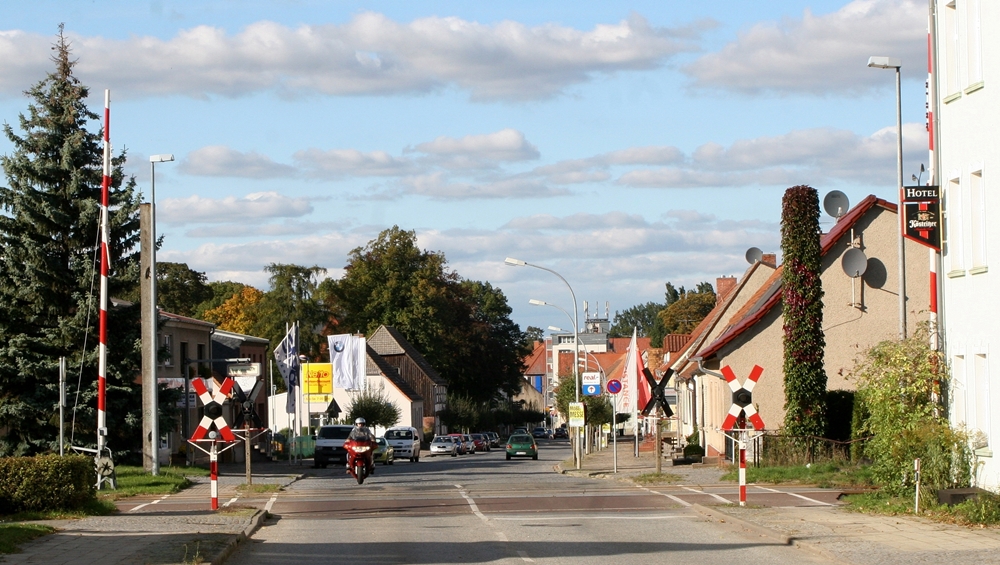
508,446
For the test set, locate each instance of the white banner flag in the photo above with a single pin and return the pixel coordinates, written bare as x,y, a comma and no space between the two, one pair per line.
348,358
627,398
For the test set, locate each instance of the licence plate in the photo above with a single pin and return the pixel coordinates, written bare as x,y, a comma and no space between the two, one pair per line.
521,453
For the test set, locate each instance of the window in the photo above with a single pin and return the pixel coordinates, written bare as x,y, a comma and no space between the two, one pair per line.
950,59
974,44
977,222
952,207
565,339
167,345
982,393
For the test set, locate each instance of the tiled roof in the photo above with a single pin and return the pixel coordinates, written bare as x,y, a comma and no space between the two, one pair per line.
535,363
374,360
388,341
769,294
621,343
179,318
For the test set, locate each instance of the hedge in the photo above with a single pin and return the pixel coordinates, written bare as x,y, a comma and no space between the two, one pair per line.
46,482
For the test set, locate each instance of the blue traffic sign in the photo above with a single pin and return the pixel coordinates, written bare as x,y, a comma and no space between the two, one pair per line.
591,390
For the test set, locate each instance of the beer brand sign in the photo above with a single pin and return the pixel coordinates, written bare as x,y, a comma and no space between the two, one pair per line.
922,215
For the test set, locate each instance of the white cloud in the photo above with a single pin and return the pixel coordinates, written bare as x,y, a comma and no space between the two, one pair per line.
578,221
256,206
371,54
504,145
820,54
438,186
351,162
221,161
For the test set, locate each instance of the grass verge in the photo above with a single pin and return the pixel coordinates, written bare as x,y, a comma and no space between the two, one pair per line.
656,478
13,535
982,511
258,489
134,481
824,475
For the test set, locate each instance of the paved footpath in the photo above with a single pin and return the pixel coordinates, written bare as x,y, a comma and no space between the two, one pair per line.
162,530
832,532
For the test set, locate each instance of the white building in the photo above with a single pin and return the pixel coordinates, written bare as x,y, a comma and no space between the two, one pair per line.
967,121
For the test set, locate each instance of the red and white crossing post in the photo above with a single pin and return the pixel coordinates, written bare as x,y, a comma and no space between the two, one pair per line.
742,410
213,425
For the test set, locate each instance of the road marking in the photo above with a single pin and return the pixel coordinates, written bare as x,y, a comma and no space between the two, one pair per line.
472,504
524,556
502,536
713,495
813,500
270,503
148,503
670,496
231,500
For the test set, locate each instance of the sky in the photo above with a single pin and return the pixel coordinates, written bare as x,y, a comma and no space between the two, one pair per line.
621,144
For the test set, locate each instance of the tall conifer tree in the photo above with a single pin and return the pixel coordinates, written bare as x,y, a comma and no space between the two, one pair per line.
48,268
802,299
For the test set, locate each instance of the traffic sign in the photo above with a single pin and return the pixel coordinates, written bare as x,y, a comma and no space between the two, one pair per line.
591,390
742,398
614,386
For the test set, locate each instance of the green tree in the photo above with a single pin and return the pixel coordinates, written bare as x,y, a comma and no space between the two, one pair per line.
180,289
220,291
461,327
293,298
48,251
802,308
375,406
900,405
645,318
683,315
533,335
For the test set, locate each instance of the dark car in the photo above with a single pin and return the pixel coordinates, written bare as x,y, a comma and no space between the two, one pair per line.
560,433
540,433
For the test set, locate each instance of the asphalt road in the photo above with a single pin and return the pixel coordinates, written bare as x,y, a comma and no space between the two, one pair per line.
481,508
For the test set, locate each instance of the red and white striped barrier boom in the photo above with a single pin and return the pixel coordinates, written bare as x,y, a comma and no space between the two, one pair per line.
102,363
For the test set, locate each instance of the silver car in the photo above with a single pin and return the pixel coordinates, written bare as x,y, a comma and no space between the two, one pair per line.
444,445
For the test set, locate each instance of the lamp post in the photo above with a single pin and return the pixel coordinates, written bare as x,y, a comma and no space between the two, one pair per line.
154,314
576,336
894,63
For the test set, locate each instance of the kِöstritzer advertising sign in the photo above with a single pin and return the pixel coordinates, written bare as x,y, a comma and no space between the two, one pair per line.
922,215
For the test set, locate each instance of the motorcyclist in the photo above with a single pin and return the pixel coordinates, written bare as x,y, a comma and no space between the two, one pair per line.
362,432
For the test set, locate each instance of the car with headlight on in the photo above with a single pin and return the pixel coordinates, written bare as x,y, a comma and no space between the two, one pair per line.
444,445
522,445
384,453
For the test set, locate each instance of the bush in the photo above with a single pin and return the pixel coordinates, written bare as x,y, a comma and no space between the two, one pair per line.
46,482
692,450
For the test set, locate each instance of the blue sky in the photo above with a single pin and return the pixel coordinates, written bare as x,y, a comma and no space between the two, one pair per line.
621,144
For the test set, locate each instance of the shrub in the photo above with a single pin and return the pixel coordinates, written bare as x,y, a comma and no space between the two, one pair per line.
46,482
693,450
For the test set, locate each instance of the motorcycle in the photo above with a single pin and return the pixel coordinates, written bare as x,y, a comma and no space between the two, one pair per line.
359,458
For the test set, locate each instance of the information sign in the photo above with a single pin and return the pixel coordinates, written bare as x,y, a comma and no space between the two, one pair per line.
577,415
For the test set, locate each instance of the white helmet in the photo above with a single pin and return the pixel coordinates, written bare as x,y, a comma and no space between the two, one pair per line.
360,421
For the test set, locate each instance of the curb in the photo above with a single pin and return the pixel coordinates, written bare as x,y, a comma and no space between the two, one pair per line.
255,522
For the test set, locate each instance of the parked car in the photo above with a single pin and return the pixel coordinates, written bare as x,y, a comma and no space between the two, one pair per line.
406,441
444,445
482,442
463,448
384,452
330,445
540,433
494,438
519,431
560,433
522,445
470,445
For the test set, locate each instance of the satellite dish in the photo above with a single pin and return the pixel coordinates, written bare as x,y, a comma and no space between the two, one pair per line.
754,255
836,203
854,262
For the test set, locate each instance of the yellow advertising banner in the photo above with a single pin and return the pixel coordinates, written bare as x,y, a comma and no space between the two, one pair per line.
317,379
577,415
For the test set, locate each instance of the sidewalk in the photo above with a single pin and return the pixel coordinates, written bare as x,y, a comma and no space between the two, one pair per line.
160,535
833,533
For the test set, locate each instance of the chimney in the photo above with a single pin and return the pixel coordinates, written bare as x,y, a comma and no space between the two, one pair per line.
723,286
770,259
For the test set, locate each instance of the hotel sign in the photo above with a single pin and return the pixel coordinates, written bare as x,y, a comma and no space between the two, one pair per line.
922,215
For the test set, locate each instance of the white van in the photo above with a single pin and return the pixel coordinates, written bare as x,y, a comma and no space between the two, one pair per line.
405,441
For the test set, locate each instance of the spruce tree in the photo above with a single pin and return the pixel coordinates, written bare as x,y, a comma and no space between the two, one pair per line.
802,300
49,269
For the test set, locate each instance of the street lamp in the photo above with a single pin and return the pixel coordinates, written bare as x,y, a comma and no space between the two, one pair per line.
894,63
576,325
155,313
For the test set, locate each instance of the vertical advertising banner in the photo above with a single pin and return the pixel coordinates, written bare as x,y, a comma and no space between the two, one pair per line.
348,358
922,215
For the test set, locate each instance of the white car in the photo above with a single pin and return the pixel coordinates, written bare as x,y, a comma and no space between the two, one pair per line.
405,441
444,445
